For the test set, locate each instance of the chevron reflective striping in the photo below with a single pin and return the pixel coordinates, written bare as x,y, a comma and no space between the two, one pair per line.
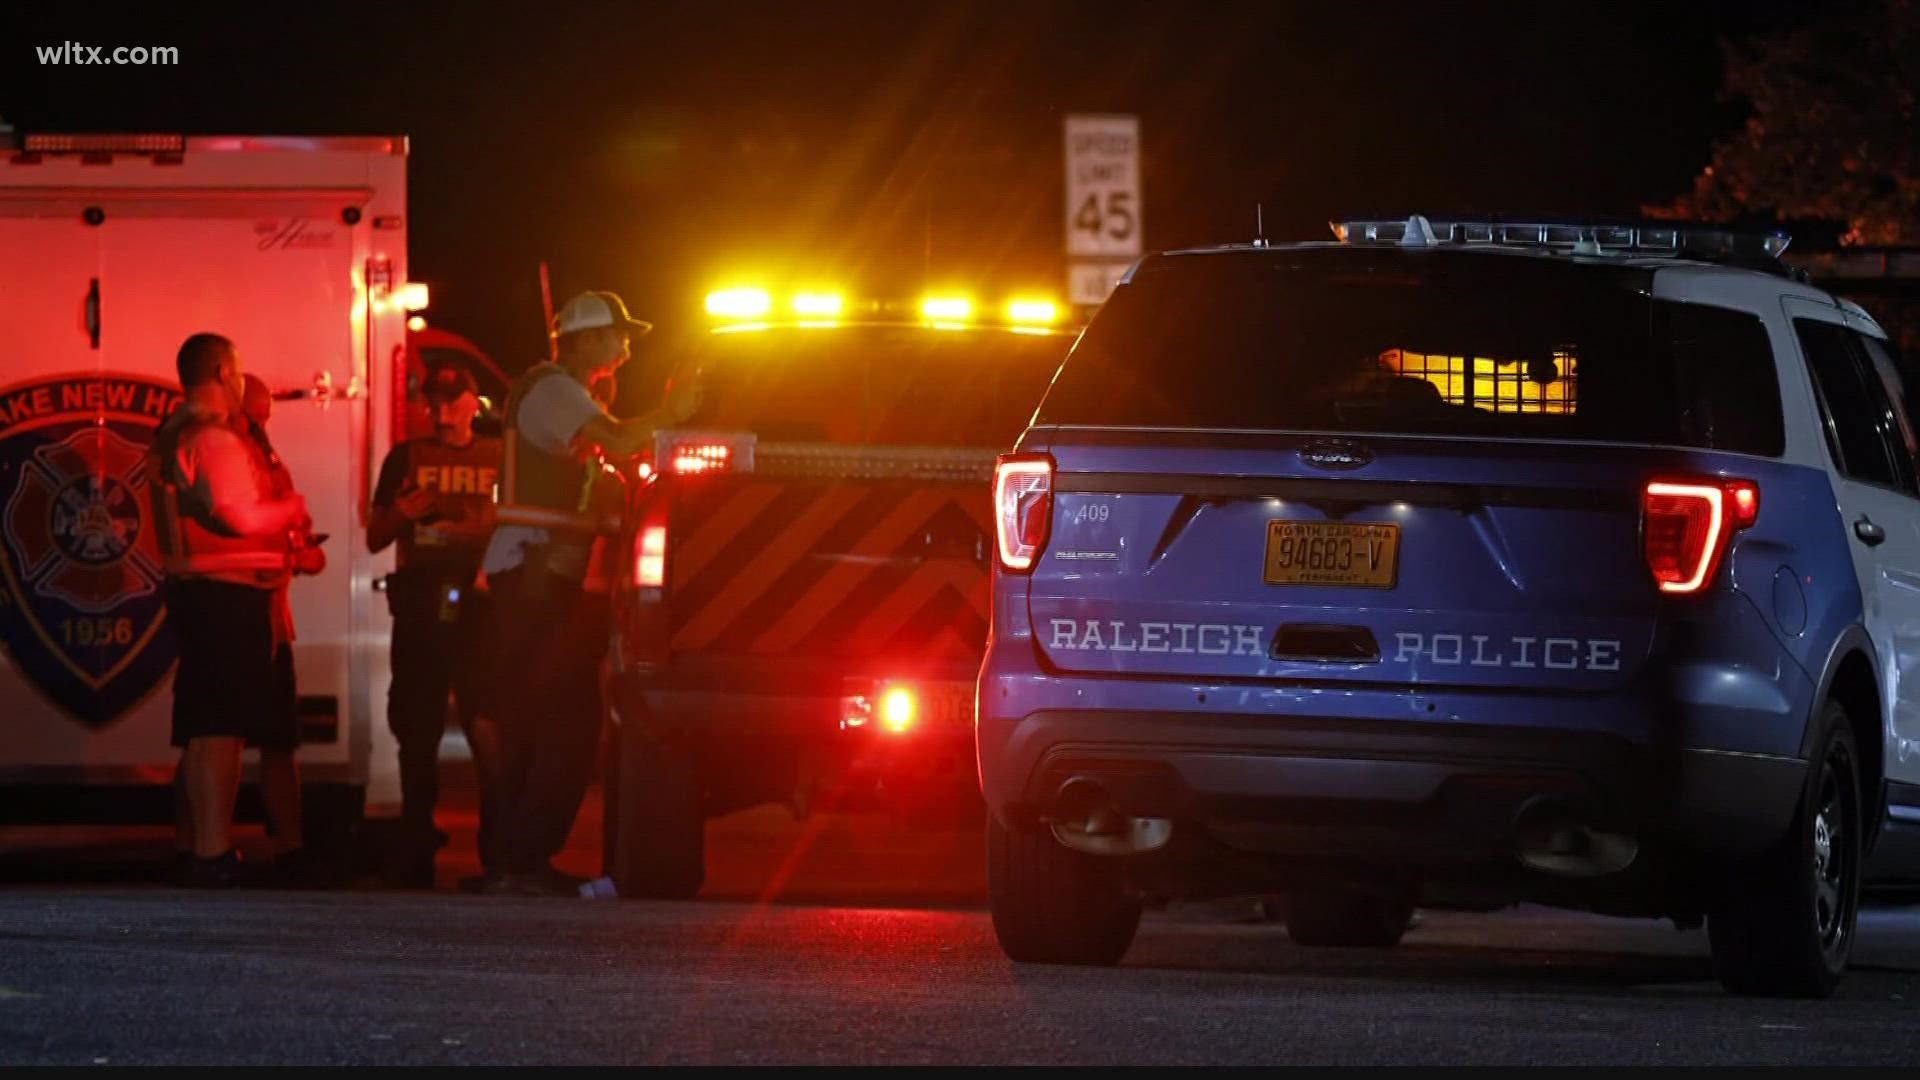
879,626
776,557
795,568
950,642
804,616
710,536
946,627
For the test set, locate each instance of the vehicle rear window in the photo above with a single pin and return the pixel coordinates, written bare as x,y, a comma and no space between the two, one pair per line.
877,386
1438,344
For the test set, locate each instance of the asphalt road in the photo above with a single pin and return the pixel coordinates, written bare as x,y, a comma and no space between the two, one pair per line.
846,939
122,976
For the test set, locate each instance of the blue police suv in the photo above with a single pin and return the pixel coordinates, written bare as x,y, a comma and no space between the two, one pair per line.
1458,564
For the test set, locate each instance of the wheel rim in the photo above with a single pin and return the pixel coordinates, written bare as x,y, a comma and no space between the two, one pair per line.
1833,858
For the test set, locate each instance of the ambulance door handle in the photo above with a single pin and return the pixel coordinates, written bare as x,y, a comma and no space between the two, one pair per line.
324,390
93,314
1869,533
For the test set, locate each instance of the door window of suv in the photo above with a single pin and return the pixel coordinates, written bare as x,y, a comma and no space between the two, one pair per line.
1894,402
1853,407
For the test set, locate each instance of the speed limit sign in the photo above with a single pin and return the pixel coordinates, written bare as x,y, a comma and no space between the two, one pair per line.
1103,190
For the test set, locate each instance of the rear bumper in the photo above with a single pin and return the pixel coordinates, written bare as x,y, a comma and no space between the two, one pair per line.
1697,754
1407,793
754,709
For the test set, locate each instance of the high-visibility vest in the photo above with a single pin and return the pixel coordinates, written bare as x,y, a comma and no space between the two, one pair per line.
541,489
190,539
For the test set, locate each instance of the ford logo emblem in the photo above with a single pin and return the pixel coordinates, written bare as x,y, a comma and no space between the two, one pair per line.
1335,454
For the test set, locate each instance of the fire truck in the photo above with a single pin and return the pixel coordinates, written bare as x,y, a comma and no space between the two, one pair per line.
802,608
113,250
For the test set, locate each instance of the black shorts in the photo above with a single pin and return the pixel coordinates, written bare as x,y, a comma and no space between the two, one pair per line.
232,681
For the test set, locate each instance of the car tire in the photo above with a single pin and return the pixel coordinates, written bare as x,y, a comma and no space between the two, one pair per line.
1346,919
1052,905
656,820
1784,926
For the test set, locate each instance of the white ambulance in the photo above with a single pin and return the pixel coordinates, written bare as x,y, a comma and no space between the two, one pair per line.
113,250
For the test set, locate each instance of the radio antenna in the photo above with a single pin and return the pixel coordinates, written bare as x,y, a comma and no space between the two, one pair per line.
1259,225
546,302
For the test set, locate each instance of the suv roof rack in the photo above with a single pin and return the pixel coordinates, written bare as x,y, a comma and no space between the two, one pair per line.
1681,240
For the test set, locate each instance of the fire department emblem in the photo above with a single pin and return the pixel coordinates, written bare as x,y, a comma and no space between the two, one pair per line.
81,609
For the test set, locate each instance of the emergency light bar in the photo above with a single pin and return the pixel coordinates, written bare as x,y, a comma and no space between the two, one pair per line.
754,308
1581,238
696,453
105,144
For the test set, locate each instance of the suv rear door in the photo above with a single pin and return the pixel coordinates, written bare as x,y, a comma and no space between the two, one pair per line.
1355,469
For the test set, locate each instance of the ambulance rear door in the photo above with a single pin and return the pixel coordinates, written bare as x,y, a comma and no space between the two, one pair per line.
97,300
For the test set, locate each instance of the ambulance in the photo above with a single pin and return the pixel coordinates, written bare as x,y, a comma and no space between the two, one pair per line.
113,250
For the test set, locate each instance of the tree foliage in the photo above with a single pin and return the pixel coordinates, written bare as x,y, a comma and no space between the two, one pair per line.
1834,131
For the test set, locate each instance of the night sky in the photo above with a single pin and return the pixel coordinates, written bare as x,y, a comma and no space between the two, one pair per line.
657,148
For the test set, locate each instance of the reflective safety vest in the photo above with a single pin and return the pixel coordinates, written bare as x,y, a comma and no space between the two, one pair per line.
191,541
543,490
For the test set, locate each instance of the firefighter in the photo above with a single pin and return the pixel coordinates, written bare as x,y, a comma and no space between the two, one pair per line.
226,545
279,768
549,631
435,498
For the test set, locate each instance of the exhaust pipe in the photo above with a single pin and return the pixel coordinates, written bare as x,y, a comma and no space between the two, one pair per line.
1085,817
1553,840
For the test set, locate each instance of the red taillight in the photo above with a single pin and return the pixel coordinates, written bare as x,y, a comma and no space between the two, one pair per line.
1745,504
1687,524
650,557
696,453
892,707
691,459
1023,508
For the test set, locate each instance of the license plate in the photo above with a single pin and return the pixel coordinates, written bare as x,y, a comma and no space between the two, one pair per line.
1362,555
946,704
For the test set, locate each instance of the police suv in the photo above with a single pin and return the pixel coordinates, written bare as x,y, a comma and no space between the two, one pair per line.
1459,564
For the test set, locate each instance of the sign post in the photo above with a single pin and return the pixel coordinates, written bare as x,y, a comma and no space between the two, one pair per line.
1103,203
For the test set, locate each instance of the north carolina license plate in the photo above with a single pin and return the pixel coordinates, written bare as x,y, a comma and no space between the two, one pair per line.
1363,555
946,704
